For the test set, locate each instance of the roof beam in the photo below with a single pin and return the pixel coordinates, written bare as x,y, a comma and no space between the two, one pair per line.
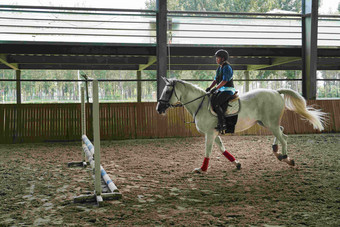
186,50
197,67
3,60
211,61
76,48
275,62
149,49
84,60
151,61
78,67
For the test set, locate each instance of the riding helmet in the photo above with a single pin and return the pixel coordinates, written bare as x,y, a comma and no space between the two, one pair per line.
222,54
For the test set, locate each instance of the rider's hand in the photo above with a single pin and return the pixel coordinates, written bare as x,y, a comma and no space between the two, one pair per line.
213,90
208,89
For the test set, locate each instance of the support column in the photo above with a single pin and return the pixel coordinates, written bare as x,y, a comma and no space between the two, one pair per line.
161,15
18,124
139,86
246,75
309,47
18,77
83,119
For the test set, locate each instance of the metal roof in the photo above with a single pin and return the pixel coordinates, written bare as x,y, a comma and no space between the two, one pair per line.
111,39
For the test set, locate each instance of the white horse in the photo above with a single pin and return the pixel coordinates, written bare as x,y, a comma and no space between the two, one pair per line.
262,106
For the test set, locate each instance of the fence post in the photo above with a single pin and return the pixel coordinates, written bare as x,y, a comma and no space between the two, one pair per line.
139,86
83,117
17,137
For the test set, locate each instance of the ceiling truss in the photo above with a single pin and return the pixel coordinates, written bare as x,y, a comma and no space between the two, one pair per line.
47,56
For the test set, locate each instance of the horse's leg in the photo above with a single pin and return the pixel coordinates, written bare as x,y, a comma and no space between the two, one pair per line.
229,156
277,131
209,140
275,146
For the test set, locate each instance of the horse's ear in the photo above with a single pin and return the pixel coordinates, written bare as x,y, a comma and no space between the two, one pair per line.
166,80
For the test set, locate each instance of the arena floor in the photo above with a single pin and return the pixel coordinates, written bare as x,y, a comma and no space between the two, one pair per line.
159,188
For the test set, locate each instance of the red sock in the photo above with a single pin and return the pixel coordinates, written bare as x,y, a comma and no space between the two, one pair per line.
205,164
229,156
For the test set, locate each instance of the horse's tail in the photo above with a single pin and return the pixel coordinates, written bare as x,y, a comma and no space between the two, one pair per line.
295,102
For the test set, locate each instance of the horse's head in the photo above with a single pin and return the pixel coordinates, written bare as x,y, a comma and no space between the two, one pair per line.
168,97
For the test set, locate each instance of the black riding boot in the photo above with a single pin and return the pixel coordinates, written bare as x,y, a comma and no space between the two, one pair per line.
222,125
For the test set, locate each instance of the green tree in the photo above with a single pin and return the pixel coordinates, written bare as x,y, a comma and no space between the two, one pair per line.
289,5
230,6
328,88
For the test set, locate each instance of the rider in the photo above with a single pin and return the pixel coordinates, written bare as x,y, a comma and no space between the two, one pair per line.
225,87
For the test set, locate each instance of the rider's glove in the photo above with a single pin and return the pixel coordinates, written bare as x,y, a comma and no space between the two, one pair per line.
213,90
208,89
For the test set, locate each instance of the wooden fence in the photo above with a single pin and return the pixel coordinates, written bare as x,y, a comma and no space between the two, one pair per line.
61,122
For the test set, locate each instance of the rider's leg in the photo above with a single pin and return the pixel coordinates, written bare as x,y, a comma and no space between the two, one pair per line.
214,100
221,106
229,156
221,119
216,107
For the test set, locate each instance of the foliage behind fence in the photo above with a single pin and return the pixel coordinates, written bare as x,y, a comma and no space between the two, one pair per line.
61,122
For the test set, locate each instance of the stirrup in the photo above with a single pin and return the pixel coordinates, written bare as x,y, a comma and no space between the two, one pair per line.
230,128
221,128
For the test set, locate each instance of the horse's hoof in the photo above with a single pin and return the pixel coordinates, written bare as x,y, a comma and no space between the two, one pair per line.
198,170
278,156
238,166
290,162
275,147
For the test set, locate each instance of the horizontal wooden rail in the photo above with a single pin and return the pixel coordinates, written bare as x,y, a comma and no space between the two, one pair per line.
61,122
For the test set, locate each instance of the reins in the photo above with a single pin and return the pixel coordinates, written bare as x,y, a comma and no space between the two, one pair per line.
183,104
198,109
180,104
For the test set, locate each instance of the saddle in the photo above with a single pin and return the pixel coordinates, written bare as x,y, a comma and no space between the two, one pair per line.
234,96
234,106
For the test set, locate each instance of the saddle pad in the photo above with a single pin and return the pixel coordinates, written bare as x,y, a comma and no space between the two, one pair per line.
233,108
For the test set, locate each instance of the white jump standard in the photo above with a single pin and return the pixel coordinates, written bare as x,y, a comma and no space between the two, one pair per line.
92,154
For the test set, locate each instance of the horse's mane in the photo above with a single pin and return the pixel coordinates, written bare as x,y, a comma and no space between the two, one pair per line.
189,86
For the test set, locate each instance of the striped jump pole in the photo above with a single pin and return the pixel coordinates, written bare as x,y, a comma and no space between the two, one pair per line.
89,151
92,154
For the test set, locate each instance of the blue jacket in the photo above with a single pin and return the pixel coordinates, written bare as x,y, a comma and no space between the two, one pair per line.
225,73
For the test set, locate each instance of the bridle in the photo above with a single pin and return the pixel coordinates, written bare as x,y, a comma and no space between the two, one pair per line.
167,97
173,91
